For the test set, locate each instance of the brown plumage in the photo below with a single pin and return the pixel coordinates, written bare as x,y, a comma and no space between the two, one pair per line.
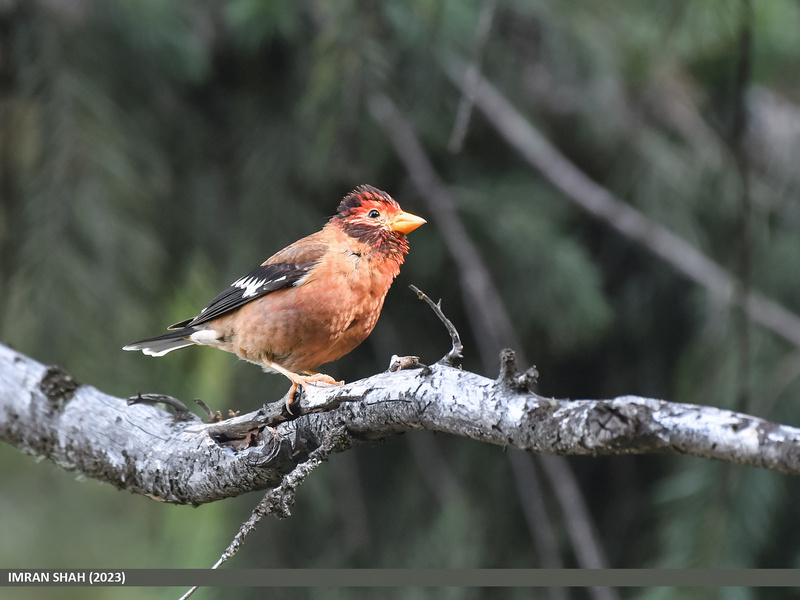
310,303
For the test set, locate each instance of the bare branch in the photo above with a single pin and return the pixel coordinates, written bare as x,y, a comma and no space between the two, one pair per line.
147,451
581,528
600,203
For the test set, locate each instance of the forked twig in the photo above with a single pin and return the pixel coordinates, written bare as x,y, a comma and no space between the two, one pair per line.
458,348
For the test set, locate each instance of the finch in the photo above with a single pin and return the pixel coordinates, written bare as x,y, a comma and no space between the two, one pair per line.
310,303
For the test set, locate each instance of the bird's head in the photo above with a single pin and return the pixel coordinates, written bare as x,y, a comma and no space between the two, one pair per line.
375,218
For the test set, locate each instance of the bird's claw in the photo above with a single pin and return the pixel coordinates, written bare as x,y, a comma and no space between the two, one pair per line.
293,397
296,392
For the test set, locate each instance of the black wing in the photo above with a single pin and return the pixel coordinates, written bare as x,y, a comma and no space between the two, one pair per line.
258,282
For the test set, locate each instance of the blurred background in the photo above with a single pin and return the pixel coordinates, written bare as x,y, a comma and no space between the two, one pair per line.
152,152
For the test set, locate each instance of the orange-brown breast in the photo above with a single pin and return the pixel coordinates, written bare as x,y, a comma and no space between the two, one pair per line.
316,322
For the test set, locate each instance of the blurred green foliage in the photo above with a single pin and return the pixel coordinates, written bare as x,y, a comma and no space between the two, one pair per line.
152,151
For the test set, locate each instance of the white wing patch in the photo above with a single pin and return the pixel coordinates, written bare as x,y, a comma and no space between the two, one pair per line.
251,284
261,280
302,280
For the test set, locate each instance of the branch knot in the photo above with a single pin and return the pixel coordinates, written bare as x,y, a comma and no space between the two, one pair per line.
58,386
509,376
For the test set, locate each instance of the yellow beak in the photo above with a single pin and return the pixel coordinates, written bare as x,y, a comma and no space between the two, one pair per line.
406,222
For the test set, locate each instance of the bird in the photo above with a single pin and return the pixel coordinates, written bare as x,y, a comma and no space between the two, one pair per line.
310,303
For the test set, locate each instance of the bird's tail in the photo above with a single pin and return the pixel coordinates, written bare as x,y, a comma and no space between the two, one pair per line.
159,346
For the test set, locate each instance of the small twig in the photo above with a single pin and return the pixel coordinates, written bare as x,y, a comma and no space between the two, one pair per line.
191,591
510,377
508,366
181,412
401,363
458,348
241,432
276,502
212,416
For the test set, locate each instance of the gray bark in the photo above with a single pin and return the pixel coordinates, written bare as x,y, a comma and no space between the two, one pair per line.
179,459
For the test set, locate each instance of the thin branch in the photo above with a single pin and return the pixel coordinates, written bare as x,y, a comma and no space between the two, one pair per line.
586,541
458,348
670,102
467,100
568,494
536,515
737,142
436,471
600,203
276,502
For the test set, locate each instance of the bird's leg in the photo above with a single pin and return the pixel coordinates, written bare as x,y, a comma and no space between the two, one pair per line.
299,380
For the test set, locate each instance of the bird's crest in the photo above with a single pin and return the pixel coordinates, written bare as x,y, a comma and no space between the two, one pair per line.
360,195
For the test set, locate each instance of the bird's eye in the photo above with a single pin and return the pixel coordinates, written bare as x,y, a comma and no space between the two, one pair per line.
373,214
